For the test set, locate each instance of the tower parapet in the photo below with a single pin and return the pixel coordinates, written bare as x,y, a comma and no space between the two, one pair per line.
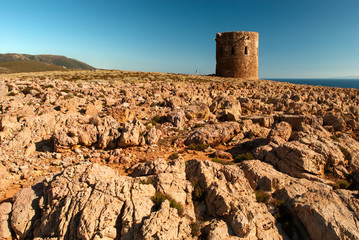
237,54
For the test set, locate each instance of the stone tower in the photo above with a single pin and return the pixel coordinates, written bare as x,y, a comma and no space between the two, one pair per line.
237,54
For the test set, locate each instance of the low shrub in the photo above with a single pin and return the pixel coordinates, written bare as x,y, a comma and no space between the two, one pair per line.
195,229
342,184
173,156
159,198
148,181
346,153
198,192
335,138
198,147
221,161
242,157
262,196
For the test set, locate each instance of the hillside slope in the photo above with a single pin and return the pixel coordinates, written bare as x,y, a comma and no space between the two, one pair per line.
59,61
28,66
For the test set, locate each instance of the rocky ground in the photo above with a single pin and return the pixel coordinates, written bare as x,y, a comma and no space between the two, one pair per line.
133,155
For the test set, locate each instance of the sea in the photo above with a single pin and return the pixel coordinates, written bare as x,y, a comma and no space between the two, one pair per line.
342,83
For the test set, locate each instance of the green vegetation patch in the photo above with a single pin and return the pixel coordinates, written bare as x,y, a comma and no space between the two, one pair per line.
262,196
342,184
198,147
195,229
159,198
242,157
148,181
173,156
198,193
221,161
346,153
335,138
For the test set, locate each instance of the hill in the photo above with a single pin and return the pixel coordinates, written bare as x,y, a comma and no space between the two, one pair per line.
12,62
28,66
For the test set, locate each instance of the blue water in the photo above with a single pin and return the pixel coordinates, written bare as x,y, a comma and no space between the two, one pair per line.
342,83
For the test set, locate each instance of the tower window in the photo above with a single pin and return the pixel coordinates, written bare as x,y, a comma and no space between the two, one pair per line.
246,50
232,51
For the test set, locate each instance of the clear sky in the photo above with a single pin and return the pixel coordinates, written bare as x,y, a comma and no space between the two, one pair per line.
298,38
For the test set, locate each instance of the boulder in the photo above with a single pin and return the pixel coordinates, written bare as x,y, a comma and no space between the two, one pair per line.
3,90
334,120
282,130
5,210
153,136
214,134
297,121
5,177
89,201
197,110
263,120
121,114
218,229
132,133
296,158
226,109
25,210
177,118
223,154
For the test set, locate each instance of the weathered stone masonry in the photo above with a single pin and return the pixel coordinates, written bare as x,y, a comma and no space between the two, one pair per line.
237,54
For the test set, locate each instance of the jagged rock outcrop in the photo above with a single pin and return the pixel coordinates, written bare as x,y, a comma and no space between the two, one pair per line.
86,131
226,108
166,224
197,110
229,196
132,134
282,130
214,134
324,213
89,200
177,118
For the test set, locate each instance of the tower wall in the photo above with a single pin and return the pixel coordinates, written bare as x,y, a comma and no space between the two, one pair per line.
237,54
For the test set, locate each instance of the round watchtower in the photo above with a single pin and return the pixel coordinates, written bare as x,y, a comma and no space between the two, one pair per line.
237,54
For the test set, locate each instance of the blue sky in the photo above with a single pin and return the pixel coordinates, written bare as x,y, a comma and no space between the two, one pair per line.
298,38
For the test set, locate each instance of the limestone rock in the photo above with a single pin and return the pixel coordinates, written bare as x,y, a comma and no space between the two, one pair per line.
197,110
131,134
25,210
322,212
214,134
228,195
166,224
153,136
5,177
218,229
334,120
5,209
264,120
223,154
228,109
177,118
297,121
3,90
121,114
282,130
296,157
